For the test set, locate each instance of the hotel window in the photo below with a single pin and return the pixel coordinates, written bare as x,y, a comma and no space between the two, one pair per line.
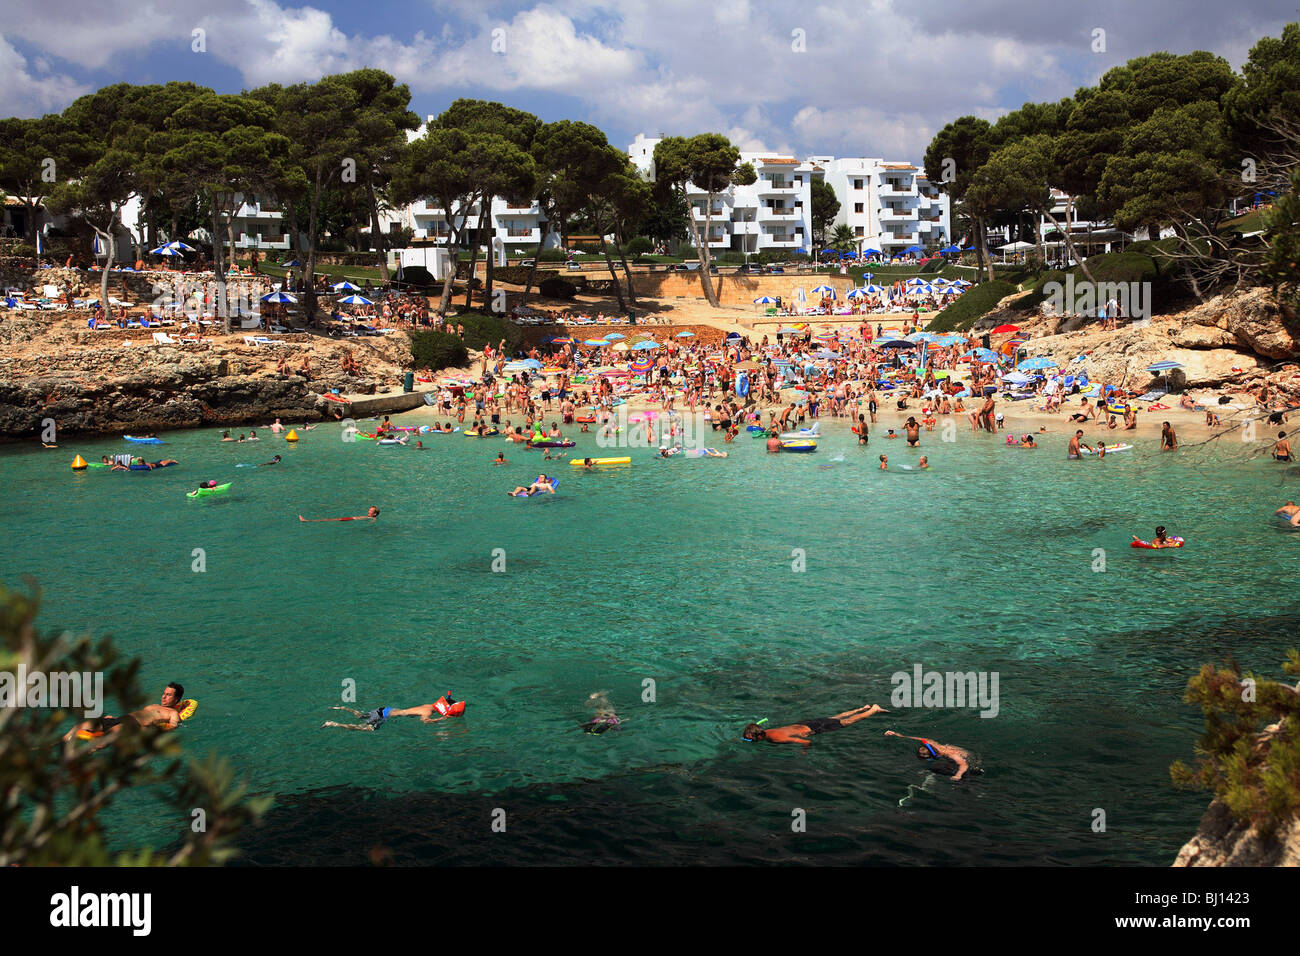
798,180
857,231
857,207
857,184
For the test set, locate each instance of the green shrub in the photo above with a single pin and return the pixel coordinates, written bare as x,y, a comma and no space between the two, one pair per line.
970,305
638,246
24,250
484,328
437,350
1030,302
551,255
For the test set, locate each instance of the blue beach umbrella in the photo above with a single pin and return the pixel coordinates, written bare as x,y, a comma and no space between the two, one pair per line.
164,250
291,264
594,342
645,346
871,252
345,287
355,300
825,290
788,330
685,335
854,294
947,340
873,289
984,355
1166,366
896,344
613,336
1034,364
282,298
765,300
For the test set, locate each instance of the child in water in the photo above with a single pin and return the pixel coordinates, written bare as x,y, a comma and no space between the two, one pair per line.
884,463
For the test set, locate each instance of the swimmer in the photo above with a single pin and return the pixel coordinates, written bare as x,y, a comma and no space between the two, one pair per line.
605,718
933,750
276,427
1282,448
924,462
588,464
372,513
377,717
252,435
913,432
1168,440
273,461
799,733
419,446
891,434
1161,540
225,436
500,459
1290,511
165,714
541,484
884,463
1076,446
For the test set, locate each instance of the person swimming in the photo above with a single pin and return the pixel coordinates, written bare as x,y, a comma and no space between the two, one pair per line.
799,733
949,760
445,706
605,719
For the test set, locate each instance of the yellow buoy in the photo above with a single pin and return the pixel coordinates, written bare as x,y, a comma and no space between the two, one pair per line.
292,436
78,463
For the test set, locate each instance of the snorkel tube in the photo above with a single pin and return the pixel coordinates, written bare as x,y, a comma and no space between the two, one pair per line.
757,723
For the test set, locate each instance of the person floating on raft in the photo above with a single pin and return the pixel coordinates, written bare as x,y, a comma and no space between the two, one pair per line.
542,484
1290,513
799,733
372,513
948,760
445,706
167,714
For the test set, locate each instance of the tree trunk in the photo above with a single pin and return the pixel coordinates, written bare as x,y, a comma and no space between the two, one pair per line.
532,271
976,225
473,264
695,234
309,269
377,233
108,263
618,288
1069,243
218,267
705,279
453,253
622,256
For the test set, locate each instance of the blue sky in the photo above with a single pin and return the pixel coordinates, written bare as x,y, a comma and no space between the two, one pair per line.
864,78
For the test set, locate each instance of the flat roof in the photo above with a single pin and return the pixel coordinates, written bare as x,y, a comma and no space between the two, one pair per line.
779,161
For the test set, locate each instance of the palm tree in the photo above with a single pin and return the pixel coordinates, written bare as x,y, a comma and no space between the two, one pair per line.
842,239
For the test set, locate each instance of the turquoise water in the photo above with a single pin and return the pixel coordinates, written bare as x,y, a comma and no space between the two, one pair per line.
677,572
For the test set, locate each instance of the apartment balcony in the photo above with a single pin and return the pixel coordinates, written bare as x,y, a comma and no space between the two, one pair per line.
768,187
744,200
255,241
899,238
519,235
898,189
718,213
768,212
745,227
894,214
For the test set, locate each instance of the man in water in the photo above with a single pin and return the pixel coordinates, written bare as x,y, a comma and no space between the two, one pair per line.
1161,540
799,733
1282,448
377,717
950,755
913,432
372,513
542,483
273,461
165,714
1290,511
1076,446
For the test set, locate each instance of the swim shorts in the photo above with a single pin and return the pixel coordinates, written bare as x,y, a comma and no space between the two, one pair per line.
377,717
819,725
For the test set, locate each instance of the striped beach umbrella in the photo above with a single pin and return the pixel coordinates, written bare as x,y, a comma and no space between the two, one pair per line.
345,287
355,300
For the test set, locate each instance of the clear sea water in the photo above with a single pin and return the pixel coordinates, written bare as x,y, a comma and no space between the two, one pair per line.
677,572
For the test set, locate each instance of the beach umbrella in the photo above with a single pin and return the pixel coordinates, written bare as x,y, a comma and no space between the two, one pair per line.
641,365
345,287
531,363
594,342
871,252
279,297
1033,364
164,250
923,337
291,264
686,335
896,344
765,300
854,294
1166,366
824,290
848,255
355,300
984,355
1005,328
873,289
949,339
560,340
620,346
180,246
915,281
1016,378
646,346
612,336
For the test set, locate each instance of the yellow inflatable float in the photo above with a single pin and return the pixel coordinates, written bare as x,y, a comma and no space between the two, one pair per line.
579,462
188,706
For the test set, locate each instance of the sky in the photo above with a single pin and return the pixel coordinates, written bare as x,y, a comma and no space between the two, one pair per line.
874,78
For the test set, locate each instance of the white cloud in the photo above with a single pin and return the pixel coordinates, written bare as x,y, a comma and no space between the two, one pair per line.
25,94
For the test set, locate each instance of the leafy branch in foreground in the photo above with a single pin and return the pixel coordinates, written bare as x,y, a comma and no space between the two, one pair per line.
1249,754
53,793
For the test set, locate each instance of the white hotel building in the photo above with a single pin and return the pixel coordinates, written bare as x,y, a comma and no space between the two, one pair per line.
889,206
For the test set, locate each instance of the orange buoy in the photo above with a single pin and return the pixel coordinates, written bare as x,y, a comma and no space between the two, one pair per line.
292,436
78,464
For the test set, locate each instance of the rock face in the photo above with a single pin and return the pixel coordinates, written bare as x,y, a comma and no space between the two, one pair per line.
1222,840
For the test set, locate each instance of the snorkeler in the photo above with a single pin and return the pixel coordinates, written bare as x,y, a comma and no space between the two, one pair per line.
951,761
445,706
799,733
